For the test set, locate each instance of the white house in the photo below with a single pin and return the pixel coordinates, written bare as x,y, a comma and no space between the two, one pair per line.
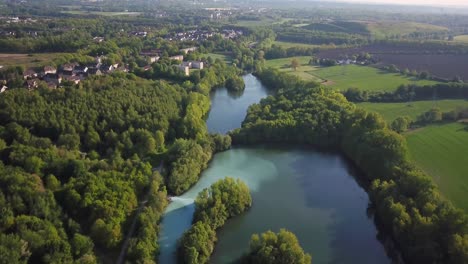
178,57
3,89
187,50
184,69
197,65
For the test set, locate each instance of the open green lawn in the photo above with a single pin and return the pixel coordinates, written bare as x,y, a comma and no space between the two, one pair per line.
79,12
442,152
390,111
344,77
28,60
304,71
461,38
389,28
364,78
287,45
223,57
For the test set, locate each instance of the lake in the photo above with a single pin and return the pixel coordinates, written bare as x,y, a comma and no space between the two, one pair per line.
310,193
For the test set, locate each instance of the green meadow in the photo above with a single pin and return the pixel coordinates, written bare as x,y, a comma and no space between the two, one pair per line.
442,152
343,77
390,111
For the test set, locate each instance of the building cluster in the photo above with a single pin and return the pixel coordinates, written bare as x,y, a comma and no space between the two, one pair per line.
69,72
153,56
201,35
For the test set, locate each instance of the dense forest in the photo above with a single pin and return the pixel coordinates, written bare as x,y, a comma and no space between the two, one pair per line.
425,226
76,162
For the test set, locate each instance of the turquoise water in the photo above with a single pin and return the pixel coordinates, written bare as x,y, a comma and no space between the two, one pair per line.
312,194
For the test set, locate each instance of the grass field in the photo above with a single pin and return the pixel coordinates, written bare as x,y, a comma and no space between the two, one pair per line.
344,77
461,38
286,45
79,12
387,28
390,111
304,71
222,57
442,152
27,60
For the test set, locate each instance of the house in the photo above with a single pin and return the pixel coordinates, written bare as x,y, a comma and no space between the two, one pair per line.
184,69
197,65
29,74
31,84
187,50
94,71
80,70
49,70
98,39
3,89
187,63
178,57
53,78
68,67
105,68
147,68
153,59
73,79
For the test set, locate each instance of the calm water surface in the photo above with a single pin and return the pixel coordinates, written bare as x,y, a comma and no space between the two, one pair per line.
313,194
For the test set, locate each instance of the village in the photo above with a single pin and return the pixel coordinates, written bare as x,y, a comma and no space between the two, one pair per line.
73,73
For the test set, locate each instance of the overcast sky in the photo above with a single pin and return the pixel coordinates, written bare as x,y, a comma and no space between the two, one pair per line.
415,2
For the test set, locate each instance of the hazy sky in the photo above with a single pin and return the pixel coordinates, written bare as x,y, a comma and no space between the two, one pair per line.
415,2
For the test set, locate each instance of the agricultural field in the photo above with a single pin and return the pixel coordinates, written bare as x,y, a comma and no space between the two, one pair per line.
364,78
287,45
461,38
414,58
390,111
109,14
344,77
339,26
441,151
27,60
387,28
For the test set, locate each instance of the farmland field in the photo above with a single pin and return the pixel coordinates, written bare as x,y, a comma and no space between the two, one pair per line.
365,78
382,29
390,111
440,150
344,77
79,12
461,38
414,58
27,60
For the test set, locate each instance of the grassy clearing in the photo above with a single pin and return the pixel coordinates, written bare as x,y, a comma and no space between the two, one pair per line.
461,38
346,76
28,60
85,13
223,57
365,78
387,28
390,111
441,151
287,45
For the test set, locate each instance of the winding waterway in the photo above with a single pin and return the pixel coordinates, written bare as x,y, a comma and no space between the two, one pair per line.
313,194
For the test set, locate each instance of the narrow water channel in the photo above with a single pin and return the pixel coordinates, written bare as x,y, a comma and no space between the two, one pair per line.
313,194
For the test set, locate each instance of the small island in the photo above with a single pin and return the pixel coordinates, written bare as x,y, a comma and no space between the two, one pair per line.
235,84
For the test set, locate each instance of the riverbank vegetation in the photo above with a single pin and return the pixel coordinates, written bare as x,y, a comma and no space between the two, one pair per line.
405,199
225,199
281,247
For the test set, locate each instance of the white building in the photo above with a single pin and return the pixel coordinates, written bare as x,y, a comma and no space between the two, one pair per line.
184,69
187,50
178,57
